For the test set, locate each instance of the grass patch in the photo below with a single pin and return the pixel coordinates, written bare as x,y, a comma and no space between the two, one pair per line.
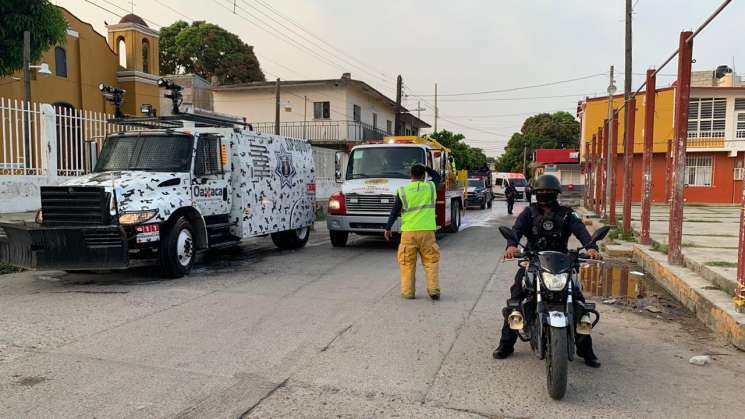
6,268
659,247
721,264
701,221
320,214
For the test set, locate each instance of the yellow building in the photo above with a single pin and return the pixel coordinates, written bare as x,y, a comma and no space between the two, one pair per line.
128,59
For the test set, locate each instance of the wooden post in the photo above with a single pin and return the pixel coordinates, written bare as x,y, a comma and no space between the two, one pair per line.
628,162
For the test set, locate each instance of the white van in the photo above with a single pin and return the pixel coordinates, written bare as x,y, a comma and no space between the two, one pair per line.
501,179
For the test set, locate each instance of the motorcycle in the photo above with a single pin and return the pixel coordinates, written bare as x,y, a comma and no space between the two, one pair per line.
549,315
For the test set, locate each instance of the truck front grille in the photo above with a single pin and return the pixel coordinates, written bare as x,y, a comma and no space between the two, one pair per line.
369,204
74,205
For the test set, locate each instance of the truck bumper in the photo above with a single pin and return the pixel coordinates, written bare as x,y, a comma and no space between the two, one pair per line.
360,223
35,246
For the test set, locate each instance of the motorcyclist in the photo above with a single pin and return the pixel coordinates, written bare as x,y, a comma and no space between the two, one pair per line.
547,226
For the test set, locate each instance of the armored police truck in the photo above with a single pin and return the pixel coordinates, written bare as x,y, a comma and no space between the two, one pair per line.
176,185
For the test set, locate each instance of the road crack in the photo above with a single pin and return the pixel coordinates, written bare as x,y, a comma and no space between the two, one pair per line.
245,414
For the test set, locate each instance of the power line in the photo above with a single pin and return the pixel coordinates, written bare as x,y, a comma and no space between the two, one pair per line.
174,10
111,3
507,99
320,47
513,89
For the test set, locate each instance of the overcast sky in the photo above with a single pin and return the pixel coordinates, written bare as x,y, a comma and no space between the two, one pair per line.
464,46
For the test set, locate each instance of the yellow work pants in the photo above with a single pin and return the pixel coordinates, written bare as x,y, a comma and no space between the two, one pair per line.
423,243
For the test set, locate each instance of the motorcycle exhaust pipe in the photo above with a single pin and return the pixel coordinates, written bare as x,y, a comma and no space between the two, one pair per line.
515,320
584,327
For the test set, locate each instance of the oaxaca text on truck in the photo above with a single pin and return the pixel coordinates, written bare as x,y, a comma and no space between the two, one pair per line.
167,188
374,173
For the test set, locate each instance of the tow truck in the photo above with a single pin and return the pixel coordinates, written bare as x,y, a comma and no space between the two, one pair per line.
166,187
375,171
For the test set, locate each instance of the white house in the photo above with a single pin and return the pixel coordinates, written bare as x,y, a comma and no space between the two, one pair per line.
334,113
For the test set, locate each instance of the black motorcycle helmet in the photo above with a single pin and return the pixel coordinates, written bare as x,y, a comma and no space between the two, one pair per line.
547,189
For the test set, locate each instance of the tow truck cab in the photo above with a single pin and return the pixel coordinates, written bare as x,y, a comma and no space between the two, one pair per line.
165,193
373,175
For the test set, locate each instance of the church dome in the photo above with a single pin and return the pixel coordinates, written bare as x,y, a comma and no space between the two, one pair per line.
132,18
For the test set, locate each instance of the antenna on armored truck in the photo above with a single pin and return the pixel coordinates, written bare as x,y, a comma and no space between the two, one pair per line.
114,95
175,95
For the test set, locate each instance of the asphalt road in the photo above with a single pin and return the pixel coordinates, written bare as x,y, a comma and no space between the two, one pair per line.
323,332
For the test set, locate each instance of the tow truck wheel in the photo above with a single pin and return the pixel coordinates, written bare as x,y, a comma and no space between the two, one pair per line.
339,238
177,249
455,215
291,239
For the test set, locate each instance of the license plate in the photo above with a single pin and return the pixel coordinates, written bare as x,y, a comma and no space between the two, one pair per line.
148,233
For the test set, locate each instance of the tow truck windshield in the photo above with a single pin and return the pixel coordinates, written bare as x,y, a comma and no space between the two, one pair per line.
475,183
150,153
383,162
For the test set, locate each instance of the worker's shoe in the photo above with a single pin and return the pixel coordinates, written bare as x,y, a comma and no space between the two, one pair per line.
408,296
434,297
503,351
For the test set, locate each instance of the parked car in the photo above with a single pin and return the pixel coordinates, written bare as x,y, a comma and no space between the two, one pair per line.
479,195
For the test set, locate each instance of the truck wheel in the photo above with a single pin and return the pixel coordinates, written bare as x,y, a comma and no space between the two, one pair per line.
339,238
177,249
455,215
291,239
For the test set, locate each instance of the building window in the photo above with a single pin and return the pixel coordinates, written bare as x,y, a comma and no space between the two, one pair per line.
739,169
121,48
356,113
739,118
145,56
698,170
706,117
375,120
321,110
389,126
60,62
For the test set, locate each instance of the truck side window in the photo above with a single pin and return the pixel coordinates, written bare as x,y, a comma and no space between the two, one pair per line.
207,161
498,181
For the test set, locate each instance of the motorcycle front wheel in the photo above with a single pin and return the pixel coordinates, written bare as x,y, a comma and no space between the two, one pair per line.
557,362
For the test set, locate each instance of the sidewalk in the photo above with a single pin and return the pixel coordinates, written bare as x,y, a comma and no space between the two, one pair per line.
706,282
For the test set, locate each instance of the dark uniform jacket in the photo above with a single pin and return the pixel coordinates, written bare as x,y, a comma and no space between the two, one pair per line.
550,229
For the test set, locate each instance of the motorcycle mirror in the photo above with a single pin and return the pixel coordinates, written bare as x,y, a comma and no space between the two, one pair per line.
600,234
507,233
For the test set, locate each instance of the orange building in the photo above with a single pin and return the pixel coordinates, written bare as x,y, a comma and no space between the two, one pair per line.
128,59
716,138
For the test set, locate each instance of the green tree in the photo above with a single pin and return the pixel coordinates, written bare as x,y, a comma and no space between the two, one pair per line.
207,50
45,22
465,156
557,130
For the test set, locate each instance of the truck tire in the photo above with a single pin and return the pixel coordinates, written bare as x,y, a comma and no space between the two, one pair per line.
455,217
291,239
338,238
177,251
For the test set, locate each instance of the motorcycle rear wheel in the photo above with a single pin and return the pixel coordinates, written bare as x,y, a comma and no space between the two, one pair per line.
557,363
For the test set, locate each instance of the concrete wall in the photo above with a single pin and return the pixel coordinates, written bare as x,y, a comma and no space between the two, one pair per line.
21,193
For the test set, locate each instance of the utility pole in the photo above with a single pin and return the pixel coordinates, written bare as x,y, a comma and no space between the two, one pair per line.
610,145
436,107
525,160
628,125
419,109
276,108
646,197
397,128
305,115
27,98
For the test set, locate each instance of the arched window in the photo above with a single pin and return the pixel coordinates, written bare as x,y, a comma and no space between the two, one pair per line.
121,48
145,56
60,62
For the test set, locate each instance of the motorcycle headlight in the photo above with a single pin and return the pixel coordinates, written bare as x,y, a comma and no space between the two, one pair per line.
555,282
137,217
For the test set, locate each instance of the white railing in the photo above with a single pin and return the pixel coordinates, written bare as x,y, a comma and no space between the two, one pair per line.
36,138
20,155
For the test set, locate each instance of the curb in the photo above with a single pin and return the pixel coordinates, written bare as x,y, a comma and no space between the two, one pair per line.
710,305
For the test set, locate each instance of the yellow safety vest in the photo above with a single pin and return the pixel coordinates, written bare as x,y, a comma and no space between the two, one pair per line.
418,206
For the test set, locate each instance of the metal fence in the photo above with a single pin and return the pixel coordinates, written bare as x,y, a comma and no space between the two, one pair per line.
325,132
21,134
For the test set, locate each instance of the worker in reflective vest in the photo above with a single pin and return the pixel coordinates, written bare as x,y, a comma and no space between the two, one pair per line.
416,202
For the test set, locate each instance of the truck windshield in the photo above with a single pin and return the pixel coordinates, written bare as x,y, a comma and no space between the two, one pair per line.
518,183
151,153
383,162
476,183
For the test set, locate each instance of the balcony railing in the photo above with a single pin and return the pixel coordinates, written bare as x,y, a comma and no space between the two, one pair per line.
705,139
325,132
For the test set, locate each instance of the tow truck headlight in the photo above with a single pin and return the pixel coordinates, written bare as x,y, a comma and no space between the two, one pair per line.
39,217
137,217
555,282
